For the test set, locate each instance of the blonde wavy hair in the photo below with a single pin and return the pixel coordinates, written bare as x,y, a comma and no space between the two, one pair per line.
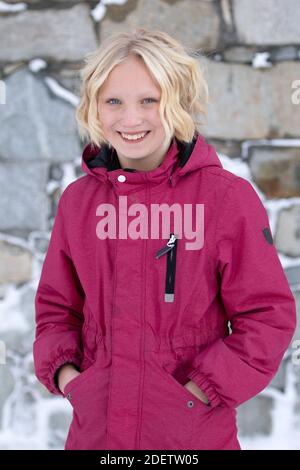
184,91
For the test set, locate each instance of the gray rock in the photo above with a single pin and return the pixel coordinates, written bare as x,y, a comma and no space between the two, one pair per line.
7,385
286,112
56,172
246,103
293,275
78,171
23,203
238,106
230,148
239,54
66,34
58,426
297,331
35,124
19,334
276,171
279,379
40,242
267,21
284,53
23,411
3,290
68,78
15,263
288,241
17,340
27,304
297,413
254,416
195,24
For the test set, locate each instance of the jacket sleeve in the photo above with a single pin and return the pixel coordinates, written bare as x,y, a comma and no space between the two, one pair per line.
58,308
257,300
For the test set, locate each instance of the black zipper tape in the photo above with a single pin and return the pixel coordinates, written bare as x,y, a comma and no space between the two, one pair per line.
170,249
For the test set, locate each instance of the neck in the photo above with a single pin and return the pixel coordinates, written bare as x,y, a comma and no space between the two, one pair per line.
145,163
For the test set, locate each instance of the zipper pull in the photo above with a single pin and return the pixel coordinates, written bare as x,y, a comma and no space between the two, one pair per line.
169,246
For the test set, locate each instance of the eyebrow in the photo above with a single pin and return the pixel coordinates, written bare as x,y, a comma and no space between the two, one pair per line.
146,94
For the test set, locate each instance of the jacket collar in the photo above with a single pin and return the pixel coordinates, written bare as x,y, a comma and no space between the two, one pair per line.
181,158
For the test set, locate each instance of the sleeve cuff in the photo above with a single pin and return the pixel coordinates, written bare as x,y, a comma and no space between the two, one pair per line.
54,369
200,380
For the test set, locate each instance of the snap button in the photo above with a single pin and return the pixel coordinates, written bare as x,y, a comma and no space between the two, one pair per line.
190,403
69,396
121,178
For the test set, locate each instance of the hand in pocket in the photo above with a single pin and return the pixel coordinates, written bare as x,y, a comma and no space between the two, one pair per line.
67,373
195,390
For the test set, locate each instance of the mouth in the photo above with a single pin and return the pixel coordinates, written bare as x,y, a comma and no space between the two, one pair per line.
134,141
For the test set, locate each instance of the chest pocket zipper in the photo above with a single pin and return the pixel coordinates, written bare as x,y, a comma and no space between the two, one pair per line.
170,249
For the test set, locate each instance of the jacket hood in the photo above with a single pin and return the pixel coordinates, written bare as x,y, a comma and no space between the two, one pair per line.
181,158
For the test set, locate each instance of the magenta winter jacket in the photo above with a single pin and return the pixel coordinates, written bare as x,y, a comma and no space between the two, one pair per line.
140,317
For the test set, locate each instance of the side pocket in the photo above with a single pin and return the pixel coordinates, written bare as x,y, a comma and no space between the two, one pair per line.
167,410
76,381
213,428
88,395
184,391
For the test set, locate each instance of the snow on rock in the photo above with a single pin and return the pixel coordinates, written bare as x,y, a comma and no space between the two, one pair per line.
274,206
267,142
12,8
114,2
260,60
99,11
69,175
61,92
52,186
35,65
235,165
11,311
240,168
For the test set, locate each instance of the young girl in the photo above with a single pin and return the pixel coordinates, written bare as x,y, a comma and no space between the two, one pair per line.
162,304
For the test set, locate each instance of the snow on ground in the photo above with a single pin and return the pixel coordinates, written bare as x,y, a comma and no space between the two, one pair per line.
11,316
286,426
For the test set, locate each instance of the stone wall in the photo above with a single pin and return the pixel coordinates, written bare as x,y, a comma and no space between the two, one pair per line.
250,55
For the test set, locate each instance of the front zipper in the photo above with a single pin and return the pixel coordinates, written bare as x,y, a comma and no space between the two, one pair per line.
170,249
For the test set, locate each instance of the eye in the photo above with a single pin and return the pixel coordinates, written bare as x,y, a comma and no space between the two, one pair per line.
152,99
112,99
116,99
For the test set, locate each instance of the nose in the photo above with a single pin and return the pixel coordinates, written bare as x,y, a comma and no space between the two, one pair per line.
131,117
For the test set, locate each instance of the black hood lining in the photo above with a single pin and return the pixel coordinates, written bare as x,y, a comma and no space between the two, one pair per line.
108,157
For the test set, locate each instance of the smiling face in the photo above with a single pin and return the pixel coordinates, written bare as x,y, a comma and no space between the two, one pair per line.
128,103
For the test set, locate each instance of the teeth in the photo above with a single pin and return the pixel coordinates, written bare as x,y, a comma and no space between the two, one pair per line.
133,137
